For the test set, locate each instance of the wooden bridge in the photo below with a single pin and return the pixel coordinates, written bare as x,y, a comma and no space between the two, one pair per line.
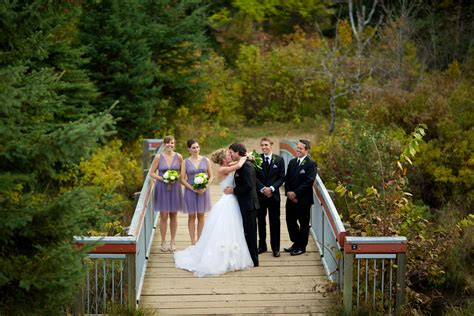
284,285
131,270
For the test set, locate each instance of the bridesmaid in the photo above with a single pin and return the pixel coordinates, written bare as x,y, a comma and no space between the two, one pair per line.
168,197
196,201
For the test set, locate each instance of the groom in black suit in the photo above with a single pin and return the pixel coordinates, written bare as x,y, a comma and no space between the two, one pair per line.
246,193
299,180
269,180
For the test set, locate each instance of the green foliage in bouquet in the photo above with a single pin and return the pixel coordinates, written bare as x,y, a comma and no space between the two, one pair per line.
170,176
200,181
256,160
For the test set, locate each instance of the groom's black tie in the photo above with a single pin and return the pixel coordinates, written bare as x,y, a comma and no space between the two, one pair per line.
266,164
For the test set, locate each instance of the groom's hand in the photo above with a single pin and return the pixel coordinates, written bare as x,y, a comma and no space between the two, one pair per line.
229,190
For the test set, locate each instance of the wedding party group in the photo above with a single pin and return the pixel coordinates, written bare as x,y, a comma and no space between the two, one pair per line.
233,234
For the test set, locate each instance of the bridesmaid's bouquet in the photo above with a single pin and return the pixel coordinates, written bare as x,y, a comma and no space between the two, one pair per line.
170,177
255,159
200,181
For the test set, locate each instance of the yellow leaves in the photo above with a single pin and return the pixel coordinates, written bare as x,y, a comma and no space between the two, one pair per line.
454,71
466,222
345,33
371,191
340,189
110,169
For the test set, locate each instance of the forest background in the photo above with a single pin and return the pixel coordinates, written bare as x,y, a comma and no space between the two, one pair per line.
387,87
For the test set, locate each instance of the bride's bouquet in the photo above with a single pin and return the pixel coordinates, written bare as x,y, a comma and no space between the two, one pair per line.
170,177
255,159
200,181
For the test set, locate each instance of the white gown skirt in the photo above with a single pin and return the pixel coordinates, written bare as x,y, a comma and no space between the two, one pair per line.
222,247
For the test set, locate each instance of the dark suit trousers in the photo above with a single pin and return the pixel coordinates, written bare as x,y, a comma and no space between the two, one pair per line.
297,221
273,207
249,218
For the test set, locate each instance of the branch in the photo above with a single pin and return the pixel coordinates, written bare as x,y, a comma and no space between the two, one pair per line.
371,13
366,42
351,18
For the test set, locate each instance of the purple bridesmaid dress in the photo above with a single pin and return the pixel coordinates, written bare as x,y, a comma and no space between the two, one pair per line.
194,202
168,199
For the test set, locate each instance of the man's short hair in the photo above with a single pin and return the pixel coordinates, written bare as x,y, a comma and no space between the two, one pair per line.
266,139
238,147
306,143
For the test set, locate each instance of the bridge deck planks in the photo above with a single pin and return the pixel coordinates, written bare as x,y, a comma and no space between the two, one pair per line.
285,285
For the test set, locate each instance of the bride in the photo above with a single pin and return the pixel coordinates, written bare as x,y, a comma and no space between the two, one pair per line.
221,247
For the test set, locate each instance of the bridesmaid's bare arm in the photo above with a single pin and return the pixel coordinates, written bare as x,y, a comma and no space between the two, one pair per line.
154,167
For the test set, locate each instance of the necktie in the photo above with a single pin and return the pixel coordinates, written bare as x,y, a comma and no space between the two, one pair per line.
266,164
299,161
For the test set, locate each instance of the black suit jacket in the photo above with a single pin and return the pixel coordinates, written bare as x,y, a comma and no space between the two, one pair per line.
245,187
273,176
300,179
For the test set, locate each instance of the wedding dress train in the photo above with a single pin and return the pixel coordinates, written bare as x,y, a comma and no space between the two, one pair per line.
221,247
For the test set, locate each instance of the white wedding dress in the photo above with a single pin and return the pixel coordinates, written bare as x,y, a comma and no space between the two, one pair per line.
221,247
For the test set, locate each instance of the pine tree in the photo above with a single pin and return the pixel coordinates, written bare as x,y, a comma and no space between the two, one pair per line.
176,34
47,127
120,63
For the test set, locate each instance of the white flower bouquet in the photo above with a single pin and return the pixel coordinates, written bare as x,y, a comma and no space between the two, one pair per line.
170,177
200,181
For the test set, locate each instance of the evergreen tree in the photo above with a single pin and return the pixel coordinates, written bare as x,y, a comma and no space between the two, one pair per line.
176,34
120,62
47,127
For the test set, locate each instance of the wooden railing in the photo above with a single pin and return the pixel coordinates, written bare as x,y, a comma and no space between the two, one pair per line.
378,261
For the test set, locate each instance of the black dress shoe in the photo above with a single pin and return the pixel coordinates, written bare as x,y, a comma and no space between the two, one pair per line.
262,250
276,254
289,249
297,252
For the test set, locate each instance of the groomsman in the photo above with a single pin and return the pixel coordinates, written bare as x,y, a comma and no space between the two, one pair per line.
299,180
269,180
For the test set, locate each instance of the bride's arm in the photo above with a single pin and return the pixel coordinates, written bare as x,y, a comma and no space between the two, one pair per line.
224,170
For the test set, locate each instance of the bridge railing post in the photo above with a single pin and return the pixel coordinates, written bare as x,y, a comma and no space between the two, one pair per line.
347,294
132,281
400,294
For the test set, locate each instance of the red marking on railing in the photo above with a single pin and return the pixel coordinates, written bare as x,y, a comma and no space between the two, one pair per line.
340,236
288,148
153,145
111,248
375,248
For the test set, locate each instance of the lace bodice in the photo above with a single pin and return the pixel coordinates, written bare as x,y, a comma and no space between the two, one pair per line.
227,181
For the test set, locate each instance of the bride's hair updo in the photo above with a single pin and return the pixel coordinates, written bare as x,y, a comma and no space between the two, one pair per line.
218,156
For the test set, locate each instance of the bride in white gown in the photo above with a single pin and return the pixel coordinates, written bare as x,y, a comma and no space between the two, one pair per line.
221,247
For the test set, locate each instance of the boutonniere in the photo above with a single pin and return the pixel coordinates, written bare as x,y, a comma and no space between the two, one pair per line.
303,162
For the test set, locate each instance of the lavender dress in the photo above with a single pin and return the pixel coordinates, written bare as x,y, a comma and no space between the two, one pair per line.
168,200
194,202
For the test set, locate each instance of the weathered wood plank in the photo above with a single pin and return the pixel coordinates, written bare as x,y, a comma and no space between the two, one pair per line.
286,285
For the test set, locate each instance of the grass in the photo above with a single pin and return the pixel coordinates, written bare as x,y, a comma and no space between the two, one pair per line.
223,138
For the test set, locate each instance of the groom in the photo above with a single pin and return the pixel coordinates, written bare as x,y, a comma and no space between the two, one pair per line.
246,193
